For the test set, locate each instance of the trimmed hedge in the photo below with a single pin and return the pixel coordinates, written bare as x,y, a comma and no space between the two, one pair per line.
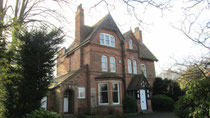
130,104
41,113
162,103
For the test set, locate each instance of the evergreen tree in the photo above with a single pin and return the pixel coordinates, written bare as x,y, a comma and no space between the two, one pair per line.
26,70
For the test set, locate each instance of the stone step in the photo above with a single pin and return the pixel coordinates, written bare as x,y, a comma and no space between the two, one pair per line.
69,116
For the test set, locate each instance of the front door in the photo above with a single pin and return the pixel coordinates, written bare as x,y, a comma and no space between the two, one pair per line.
68,102
143,100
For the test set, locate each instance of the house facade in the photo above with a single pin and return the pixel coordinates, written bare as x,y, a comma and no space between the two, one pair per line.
99,68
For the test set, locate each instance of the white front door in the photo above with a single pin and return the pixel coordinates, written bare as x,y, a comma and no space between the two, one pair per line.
66,105
143,100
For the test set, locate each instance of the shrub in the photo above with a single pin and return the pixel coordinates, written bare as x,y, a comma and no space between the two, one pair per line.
41,113
182,107
130,104
162,103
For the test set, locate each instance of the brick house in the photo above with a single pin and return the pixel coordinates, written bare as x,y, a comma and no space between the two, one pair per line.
99,68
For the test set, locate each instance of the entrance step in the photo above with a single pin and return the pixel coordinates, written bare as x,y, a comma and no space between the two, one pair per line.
69,116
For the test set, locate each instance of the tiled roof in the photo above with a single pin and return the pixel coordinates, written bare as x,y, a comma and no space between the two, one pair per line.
138,82
145,53
108,75
57,81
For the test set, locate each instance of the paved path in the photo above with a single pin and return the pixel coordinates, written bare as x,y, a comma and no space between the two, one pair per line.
155,115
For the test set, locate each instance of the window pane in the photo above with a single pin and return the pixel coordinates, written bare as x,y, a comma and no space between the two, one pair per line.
112,64
101,38
129,66
106,39
134,67
81,92
130,44
115,93
103,93
143,69
104,63
103,87
112,41
103,97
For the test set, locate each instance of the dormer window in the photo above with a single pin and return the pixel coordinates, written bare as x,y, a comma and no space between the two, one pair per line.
130,44
107,39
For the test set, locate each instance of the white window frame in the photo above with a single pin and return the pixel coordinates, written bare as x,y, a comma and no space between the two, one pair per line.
44,102
99,102
118,93
134,67
143,69
129,66
111,39
105,68
112,64
80,90
130,44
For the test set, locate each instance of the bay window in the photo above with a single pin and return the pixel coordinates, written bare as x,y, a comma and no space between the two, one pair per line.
115,93
103,93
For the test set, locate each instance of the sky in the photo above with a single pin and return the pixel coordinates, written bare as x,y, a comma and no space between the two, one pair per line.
159,34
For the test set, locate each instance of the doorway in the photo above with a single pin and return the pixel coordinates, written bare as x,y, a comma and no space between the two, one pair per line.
68,102
143,99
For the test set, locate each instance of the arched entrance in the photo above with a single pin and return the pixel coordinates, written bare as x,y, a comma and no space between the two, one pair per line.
68,102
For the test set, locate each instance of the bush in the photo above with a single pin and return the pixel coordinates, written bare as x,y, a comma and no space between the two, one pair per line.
162,103
130,104
182,107
41,113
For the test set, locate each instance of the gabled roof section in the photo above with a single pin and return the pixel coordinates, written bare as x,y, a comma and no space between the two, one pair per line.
89,33
145,53
138,82
59,80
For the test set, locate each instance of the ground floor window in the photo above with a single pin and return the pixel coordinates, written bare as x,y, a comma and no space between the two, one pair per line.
103,93
115,93
108,89
81,92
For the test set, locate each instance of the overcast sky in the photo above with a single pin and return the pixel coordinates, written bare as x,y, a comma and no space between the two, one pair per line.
164,41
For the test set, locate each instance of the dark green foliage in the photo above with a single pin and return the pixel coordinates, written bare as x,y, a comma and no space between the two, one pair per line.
167,87
26,71
196,102
130,104
162,103
40,113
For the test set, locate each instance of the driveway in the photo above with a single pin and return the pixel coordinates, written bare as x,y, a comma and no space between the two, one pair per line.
155,115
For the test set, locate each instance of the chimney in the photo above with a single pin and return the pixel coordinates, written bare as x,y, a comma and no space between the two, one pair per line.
138,35
79,22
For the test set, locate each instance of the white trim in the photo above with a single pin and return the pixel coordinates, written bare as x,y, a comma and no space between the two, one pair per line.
99,94
118,92
134,67
129,66
81,90
114,64
130,44
105,69
102,38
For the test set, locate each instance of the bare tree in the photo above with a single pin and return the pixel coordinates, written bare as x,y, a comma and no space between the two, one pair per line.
195,24
17,13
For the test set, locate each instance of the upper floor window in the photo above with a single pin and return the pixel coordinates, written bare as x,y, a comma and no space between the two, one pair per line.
107,39
130,44
134,67
112,64
104,63
143,69
129,66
